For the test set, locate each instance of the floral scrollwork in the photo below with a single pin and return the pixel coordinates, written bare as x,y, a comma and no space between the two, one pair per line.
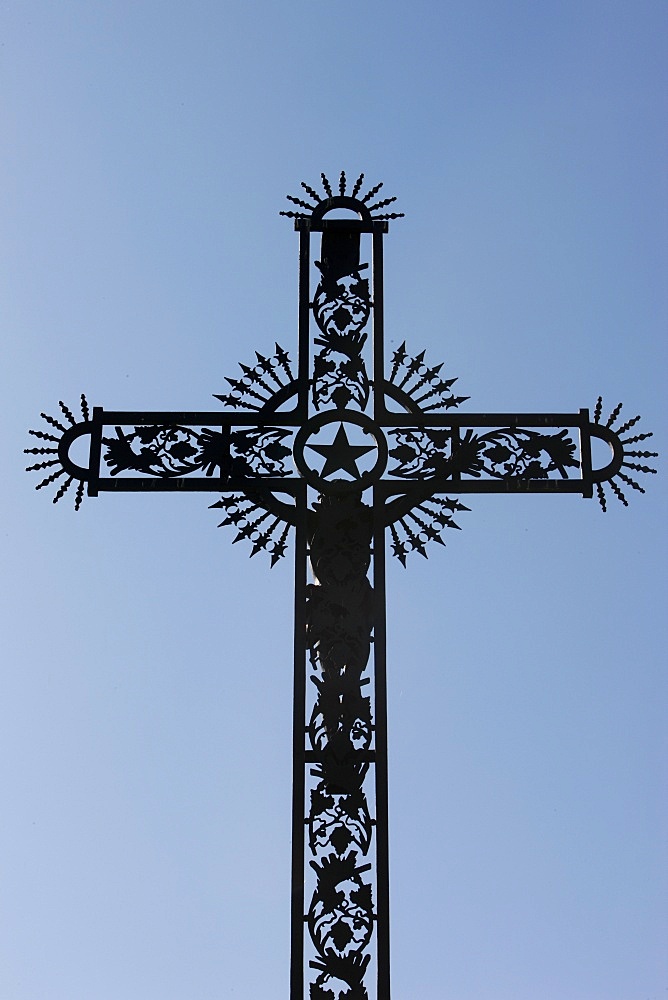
508,453
170,450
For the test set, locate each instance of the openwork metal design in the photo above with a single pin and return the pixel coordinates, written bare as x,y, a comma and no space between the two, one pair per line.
502,454
332,454
172,450
421,387
264,385
423,524
254,523
618,445
62,441
354,200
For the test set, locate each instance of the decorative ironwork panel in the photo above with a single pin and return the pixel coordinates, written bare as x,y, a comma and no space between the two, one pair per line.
339,450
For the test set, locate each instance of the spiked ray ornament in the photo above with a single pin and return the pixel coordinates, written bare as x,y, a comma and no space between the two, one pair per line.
54,447
421,385
423,524
621,452
342,200
267,532
268,382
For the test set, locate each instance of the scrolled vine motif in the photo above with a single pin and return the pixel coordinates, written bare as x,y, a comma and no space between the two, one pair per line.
507,453
169,451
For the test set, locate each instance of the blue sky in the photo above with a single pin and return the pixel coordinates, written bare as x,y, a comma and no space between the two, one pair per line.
146,689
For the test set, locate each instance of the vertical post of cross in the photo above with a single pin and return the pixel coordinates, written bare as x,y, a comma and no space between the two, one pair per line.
340,790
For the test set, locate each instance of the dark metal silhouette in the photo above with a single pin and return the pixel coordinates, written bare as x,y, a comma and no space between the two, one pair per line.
335,452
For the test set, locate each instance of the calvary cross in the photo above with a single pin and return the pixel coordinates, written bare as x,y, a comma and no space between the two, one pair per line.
339,451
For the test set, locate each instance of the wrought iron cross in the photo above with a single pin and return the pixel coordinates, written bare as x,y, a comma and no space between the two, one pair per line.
339,450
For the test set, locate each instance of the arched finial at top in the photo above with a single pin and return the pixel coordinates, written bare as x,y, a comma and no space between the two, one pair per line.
353,201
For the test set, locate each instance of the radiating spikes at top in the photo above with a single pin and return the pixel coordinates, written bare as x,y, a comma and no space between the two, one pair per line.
319,203
597,410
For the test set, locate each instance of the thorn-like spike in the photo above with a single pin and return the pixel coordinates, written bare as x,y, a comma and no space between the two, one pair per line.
42,465
53,422
63,490
618,493
382,204
358,185
85,413
342,183
50,479
44,436
638,437
327,186
79,495
600,492
639,468
302,204
613,416
631,482
597,412
372,193
310,192
628,425
67,413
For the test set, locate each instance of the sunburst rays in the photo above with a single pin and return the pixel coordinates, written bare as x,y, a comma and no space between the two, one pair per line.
627,452
425,385
262,383
52,449
367,200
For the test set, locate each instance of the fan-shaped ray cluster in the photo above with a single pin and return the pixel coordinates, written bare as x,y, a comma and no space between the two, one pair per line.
367,199
425,386
628,453
423,524
260,384
263,530
52,449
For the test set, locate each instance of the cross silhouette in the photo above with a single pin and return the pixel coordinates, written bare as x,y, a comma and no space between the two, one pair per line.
337,452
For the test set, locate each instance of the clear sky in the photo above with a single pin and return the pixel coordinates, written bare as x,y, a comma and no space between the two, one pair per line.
145,693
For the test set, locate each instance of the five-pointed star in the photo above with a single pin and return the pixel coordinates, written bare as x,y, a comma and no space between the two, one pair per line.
341,454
